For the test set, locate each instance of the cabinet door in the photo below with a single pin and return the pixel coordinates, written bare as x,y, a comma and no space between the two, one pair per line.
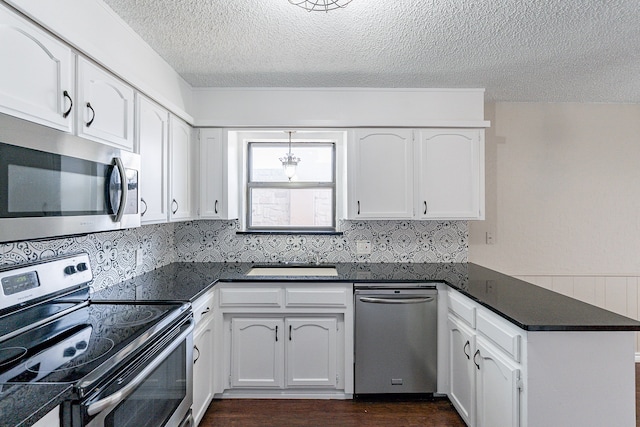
180,166
36,73
218,176
497,387
105,107
257,356
153,139
311,351
380,167
202,370
450,174
461,369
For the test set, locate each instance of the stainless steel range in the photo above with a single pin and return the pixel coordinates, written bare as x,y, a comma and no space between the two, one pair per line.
129,363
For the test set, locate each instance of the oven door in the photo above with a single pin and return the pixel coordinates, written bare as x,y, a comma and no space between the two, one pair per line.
155,390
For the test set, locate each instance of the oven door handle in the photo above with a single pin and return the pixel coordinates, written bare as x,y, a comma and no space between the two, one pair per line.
117,397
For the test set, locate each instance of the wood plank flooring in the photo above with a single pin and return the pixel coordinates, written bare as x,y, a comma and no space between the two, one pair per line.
342,413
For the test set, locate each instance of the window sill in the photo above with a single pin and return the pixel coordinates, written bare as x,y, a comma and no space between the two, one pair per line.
292,233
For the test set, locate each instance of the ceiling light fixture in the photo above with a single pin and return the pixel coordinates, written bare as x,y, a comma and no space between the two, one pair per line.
289,162
320,5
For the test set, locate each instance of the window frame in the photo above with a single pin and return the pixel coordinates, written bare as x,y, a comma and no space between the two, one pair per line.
291,185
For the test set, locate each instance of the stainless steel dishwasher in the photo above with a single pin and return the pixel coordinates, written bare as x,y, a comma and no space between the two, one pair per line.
396,339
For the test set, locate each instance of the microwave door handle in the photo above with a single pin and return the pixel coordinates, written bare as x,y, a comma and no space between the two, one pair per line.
114,399
125,184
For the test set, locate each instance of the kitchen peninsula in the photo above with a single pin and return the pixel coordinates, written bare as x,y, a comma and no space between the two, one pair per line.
560,345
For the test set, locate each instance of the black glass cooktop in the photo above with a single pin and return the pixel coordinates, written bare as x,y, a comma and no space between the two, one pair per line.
78,344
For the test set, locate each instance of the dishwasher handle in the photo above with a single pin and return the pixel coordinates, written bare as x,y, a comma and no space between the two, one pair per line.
408,300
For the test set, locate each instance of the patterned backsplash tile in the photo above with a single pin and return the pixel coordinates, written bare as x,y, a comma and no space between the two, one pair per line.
392,241
113,254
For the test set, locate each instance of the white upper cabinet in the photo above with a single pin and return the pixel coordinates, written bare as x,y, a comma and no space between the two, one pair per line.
153,146
380,169
105,107
219,189
180,170
36,76
450,174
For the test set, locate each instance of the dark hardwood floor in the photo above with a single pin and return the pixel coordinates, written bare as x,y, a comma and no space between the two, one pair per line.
342,413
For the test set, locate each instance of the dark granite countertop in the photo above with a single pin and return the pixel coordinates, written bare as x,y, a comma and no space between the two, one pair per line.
528,306
22,405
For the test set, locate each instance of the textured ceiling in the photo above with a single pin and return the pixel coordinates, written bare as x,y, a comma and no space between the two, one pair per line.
519,50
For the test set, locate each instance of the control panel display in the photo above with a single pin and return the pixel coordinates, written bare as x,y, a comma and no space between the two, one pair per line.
20,282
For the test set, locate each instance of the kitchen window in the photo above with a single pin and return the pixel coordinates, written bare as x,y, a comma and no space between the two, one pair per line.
307,202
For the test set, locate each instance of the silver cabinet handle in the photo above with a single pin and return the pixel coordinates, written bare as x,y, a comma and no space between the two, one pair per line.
358,207
425,207
173,211
206,310
413,300
145,206
474,359
215,207
276,333
464,349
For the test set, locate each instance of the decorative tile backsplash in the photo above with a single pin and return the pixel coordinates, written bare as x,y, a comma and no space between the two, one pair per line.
113,254
392,241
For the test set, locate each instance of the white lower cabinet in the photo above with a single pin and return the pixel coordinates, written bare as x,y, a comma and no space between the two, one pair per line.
263,349
462,376
256,352
311,355
284,339
484,354
203,353
52,419
497,387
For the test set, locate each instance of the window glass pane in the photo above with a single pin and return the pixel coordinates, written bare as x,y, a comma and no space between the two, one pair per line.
281,207
316,164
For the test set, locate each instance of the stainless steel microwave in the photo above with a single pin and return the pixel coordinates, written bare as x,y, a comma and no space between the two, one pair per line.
55,184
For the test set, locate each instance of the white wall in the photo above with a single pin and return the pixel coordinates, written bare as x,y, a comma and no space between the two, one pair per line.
563,200
563,190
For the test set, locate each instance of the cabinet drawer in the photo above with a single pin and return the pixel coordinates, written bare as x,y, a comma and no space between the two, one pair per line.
326,297
500,332
462,307
254,297
203,308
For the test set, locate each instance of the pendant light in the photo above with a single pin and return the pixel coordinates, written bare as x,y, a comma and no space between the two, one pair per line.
320,5
290,162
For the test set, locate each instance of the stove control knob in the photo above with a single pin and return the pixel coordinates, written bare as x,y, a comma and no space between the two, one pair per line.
82,266
70,269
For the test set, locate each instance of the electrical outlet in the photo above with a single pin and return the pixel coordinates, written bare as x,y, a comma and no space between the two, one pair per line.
139,254
363,247
490,238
